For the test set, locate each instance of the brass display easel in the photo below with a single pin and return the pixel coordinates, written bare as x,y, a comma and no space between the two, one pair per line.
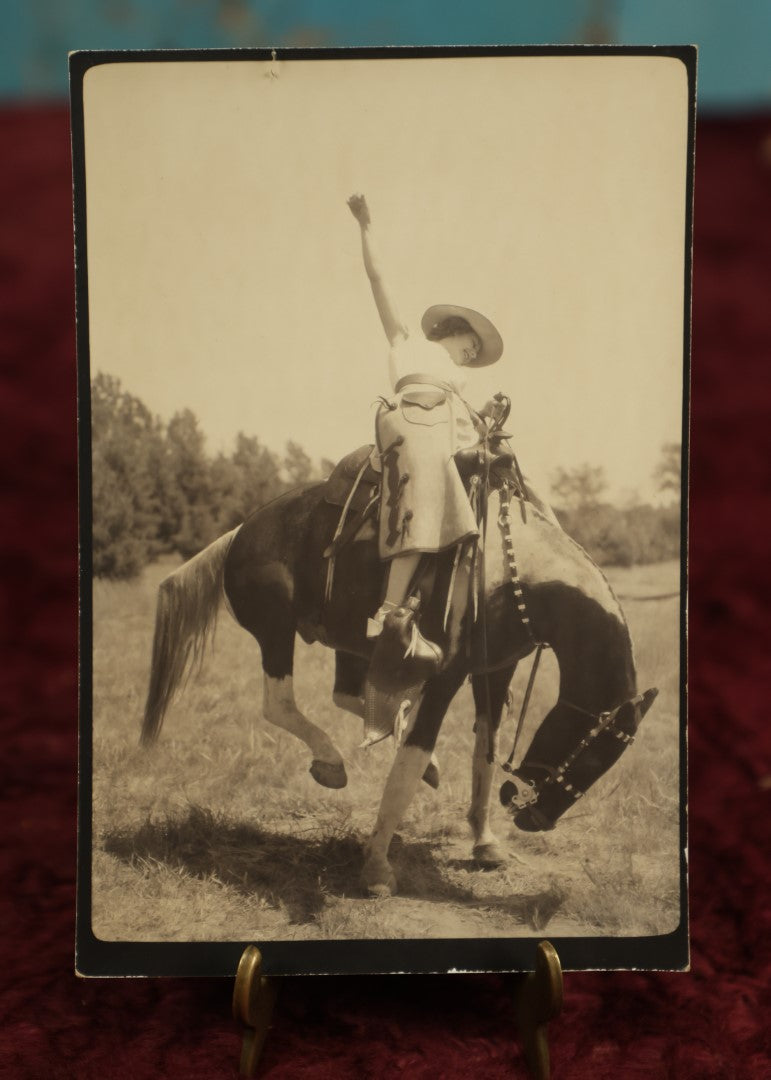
537,1000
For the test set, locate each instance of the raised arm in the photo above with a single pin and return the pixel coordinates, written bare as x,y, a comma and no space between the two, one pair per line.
392,324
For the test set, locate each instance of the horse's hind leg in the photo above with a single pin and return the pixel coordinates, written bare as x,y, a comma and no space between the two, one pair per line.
348,694
273,625
409,765
489,698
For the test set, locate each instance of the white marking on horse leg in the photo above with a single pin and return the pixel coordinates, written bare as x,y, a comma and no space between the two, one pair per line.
408,767
403,726
481,786
280,709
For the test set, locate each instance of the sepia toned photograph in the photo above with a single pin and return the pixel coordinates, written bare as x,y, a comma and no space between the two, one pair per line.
383,372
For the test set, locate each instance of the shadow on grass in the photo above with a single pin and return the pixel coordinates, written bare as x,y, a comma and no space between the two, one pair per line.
300,873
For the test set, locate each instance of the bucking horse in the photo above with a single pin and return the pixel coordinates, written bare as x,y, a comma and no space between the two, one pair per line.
308,563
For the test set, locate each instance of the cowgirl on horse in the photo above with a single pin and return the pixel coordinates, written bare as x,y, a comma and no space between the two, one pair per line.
271,572
419,429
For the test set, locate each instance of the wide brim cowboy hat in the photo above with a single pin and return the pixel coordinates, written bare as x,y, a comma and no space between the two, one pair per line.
492,342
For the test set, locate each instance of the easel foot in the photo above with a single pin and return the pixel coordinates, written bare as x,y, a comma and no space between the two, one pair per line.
254,996
537,996
538,999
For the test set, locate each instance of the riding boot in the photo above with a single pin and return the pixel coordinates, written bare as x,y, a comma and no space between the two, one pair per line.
403,656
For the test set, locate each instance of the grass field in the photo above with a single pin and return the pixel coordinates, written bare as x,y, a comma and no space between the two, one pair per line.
219,833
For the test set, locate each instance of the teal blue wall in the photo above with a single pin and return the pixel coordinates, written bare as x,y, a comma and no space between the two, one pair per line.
734,36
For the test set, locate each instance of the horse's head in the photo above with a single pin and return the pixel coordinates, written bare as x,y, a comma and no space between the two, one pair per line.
539,792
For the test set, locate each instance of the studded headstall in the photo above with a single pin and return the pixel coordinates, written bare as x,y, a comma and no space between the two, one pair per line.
519,793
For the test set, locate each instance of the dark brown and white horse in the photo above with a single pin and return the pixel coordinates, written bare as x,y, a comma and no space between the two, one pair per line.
271,571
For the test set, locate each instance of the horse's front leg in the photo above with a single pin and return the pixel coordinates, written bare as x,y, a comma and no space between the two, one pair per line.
410,762
489,699
348,694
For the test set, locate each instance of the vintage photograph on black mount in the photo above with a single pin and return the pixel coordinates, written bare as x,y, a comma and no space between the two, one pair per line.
383,368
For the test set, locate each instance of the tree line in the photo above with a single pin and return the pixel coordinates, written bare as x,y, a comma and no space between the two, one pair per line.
621,536
156,490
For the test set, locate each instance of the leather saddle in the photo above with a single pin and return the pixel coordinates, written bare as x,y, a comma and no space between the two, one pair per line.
354,487
342,477
491,458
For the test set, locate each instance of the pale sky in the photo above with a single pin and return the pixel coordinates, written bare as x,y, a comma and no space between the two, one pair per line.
225,270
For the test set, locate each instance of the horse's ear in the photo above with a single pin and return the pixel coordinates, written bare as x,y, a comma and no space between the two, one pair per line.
647,700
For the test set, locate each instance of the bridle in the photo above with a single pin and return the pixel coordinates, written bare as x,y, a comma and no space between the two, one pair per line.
603,721
529,791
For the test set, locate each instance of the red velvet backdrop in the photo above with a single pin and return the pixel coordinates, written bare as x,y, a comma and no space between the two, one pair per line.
704,1024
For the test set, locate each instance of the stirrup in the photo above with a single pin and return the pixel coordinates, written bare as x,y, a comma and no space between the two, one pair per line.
402,656
423,649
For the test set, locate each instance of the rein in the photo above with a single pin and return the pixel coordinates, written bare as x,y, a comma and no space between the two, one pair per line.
483,504
504,521
507,765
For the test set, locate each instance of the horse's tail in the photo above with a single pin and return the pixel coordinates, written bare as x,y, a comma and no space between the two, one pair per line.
185,618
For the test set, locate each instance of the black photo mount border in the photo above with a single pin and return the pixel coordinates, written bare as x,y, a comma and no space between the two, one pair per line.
95,957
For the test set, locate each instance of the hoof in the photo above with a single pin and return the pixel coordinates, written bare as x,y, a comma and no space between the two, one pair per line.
378,880
431,775
381,891
328,775
489,856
